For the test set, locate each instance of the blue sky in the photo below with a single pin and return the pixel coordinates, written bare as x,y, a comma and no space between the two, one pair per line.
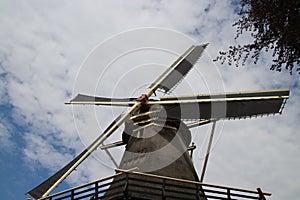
43,46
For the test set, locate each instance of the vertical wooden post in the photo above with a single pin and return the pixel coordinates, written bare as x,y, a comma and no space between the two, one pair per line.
72,194
197,192
228,194
261,194
163,196
126,186
96,190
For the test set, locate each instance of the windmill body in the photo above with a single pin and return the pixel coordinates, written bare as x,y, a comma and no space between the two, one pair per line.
157,137
157,149
160,150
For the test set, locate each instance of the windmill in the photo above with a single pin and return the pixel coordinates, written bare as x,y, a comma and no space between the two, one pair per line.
156,137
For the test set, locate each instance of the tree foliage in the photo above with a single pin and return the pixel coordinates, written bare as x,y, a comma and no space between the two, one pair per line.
274,26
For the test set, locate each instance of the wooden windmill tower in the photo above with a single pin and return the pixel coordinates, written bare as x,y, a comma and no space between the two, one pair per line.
156,163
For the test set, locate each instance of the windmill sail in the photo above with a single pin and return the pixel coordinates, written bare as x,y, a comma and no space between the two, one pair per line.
224,106
177,71
86,99
206,107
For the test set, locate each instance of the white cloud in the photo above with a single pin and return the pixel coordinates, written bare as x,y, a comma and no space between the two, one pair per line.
43,43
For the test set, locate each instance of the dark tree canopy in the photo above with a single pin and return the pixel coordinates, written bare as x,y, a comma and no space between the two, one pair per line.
274,26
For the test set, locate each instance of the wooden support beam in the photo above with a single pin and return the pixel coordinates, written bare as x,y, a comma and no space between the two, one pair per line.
208,150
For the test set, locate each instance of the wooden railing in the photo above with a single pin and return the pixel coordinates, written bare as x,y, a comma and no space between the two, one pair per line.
126,184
